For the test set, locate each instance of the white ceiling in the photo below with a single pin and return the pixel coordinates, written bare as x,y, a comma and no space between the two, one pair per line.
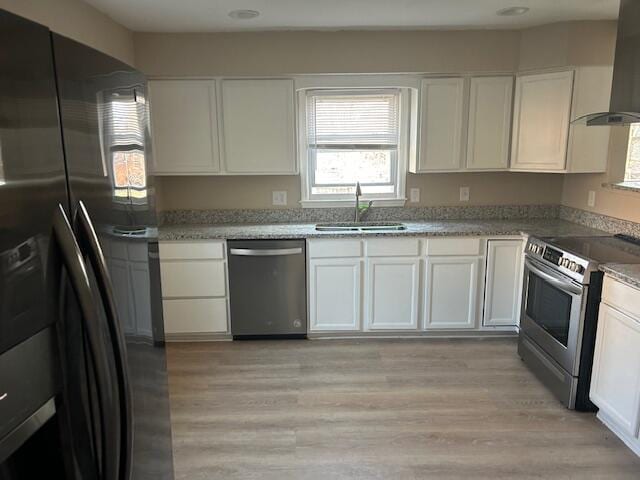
212,15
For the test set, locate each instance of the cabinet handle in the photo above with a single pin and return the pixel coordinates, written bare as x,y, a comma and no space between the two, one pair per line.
249,252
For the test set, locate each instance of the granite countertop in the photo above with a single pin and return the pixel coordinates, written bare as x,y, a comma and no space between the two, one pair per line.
538,227
629,274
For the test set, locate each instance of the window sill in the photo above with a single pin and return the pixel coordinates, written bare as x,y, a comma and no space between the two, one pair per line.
389,202
623,186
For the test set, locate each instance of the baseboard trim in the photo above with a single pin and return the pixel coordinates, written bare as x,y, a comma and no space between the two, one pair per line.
197,337
513,333
503,332
629,441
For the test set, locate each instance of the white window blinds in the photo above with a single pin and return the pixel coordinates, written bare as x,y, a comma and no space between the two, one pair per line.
361,120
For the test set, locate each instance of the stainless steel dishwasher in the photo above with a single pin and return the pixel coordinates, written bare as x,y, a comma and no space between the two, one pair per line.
267,288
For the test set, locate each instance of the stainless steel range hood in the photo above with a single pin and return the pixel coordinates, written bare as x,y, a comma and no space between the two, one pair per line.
624,107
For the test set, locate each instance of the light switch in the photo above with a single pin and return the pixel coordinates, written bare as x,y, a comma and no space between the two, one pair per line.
464,194
591,200
414,195
279,198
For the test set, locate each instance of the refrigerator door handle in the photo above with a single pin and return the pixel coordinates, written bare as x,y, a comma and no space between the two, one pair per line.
77,272
90,246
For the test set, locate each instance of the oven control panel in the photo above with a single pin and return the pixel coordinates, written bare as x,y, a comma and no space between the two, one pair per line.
565,262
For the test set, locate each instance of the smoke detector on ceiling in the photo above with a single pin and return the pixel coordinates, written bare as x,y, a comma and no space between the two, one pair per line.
243,14
512,11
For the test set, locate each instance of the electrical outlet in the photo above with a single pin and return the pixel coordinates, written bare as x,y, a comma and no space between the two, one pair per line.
464,194
591,200
279,198
414,195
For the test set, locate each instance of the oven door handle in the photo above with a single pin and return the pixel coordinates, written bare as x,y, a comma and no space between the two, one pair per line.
565,286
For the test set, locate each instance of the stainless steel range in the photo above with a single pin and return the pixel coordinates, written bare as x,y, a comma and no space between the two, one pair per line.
560,301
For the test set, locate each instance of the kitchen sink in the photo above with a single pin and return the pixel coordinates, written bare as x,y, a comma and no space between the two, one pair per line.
359,226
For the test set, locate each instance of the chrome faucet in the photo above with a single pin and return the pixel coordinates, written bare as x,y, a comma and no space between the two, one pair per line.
360,212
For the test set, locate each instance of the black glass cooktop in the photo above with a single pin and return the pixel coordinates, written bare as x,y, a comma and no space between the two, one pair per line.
599,249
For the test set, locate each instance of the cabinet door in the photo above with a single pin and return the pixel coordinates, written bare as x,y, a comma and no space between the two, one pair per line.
141,298
489,123
335,294
392,293
201,278
615,382
195,315
258,126
185,127
119,271
451,292
541,121
588,149
441,108
503,283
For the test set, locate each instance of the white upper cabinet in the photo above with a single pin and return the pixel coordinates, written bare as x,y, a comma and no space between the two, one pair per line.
541,115
185,128
489,128
441,114
589,146
258,127
503,283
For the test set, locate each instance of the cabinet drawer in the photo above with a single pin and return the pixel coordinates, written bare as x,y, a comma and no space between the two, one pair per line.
622,296
193,279
191,250
396,247
454,246
196,315
138,252
334,248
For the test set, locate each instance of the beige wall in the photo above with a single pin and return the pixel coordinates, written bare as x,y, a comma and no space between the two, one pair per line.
609,201
435,190
276,53
80,21
585,43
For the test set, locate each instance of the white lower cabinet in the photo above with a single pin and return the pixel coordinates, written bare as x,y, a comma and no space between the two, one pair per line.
615,385
335,294
451,288
503,283
195,315
615,379
411,284
119,272
194,288
392,293
128,266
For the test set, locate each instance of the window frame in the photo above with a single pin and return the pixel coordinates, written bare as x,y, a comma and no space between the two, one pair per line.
109,152
407,100
628,156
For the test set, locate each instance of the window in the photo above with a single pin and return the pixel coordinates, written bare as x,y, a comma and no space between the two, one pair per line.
353,136
122,115
632,169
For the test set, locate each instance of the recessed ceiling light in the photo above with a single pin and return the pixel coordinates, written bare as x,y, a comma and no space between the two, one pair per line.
243,14
512,11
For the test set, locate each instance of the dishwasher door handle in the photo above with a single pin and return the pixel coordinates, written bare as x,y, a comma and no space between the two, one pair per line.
265,252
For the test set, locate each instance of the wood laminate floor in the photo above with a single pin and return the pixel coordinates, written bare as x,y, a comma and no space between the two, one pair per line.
377,409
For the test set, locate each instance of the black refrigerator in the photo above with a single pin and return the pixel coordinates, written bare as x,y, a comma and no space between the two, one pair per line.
83,378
